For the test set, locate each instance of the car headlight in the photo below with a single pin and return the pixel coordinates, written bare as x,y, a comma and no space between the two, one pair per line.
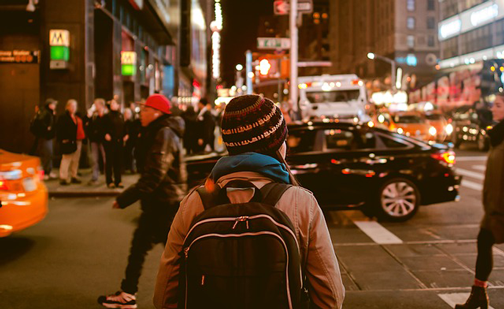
400,130
449,129
432,131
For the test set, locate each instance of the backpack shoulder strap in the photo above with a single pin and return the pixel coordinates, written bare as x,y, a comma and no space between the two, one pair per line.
207,198
272,192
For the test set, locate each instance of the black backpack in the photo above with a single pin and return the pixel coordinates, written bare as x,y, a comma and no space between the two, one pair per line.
242,255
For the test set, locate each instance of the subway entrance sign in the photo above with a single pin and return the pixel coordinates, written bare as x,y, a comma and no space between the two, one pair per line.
59,42
128,63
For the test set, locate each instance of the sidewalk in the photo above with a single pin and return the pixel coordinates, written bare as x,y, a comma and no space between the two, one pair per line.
85,190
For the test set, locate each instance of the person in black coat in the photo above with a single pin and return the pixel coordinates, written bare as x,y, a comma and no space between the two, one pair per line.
66,133
94,127
206,126
132,128
44,129
191,130
115,137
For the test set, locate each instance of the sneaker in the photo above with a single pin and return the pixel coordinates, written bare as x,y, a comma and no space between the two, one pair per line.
76,181
120,299
64,183
120,185
111,186
53,175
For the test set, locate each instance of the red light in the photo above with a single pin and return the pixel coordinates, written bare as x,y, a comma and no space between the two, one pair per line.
346,171
3,185
447,157
355,82
220,87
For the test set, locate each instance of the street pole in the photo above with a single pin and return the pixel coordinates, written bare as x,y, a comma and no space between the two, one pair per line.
248,71
293,55
393,76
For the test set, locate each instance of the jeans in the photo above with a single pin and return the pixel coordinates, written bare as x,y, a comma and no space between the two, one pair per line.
96,149
153,228
45,151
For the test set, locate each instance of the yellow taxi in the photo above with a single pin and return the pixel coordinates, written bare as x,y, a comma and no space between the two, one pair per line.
411,124
23,194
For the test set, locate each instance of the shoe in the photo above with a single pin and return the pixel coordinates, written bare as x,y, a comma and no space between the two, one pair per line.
64,183
111,186
53,175
92,182
46,177
76,181
120,299
120,185
477,299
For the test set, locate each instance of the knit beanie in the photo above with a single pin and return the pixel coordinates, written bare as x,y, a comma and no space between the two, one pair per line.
252,123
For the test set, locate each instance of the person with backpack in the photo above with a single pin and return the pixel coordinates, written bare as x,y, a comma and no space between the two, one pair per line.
43,126
251,237
160,188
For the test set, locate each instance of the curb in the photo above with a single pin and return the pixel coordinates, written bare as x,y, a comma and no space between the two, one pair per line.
88,194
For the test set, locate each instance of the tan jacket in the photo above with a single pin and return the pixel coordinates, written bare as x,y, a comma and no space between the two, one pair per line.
322,269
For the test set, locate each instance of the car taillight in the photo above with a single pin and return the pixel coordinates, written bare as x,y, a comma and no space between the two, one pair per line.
3,185
447,157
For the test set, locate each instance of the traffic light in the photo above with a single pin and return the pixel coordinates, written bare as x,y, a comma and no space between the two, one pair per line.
264,67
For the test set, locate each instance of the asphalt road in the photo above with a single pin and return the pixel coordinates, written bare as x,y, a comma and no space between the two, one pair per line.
79,252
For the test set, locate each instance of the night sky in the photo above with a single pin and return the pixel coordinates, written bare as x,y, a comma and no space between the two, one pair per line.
240,26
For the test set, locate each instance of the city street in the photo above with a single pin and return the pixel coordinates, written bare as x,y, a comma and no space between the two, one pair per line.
79,252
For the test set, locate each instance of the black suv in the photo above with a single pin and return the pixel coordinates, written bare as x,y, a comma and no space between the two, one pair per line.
349,166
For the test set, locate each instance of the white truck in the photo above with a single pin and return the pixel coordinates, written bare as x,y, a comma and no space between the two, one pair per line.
333,97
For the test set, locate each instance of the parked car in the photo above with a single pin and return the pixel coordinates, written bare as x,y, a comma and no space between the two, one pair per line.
348,166
23,195
470,125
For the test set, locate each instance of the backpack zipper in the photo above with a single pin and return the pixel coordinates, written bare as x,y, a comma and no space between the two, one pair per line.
186,253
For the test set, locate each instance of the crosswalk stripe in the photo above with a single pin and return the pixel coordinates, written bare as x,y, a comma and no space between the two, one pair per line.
468,173
479,167
378,233
471,185
455,298
473,158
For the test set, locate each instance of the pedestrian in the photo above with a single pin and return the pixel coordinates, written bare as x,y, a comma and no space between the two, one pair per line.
161,186
258,159
132,128
206,126
67,137
43,126
74,165
191,133
115,137
95,130
492,225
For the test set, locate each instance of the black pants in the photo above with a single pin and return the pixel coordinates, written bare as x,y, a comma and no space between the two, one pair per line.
153,228
114,158
484,261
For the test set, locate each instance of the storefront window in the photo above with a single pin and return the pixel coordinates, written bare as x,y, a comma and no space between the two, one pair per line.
450,48
410,5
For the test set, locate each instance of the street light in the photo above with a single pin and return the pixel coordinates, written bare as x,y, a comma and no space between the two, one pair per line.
372,56
239,67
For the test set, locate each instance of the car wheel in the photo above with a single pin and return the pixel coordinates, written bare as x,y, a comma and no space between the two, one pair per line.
482,143
398,200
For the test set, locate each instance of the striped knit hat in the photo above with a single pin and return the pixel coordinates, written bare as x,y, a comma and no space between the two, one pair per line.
252,123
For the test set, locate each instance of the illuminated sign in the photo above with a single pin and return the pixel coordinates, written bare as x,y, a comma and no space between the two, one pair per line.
216,27
484,15
59,42
450,28
19,56
128,63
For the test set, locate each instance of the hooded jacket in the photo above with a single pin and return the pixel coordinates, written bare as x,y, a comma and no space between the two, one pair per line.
493,193
163,171
321,265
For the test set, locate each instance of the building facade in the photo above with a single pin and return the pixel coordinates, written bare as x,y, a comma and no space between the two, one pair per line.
85,49
403,30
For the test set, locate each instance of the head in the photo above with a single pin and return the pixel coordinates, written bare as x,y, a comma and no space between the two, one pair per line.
202,104
156,106
99,105
113,105
51,104
128,114
498,108
71,106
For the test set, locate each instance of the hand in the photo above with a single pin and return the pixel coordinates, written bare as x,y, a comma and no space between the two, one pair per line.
108,138
125,138
200,142
116,205
65,141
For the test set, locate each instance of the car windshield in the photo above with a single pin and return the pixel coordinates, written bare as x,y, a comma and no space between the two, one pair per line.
434,117
407,119
332,96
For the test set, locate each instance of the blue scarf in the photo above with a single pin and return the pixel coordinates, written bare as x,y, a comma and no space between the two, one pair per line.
251,162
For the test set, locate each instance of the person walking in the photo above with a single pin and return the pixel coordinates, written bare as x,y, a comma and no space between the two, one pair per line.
115,137
67,138
206,126
191,133
161,187
94,127
259,159
492,225
43,126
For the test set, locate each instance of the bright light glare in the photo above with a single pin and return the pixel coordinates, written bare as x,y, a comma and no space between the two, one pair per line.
381,119
239,67
432,131
400,130
371,56
264,67
370,124
449,129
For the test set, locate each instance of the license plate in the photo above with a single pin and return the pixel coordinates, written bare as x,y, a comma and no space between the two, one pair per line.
29,184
